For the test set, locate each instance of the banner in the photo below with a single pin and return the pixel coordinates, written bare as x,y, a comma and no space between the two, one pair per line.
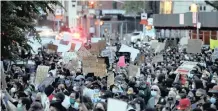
41,73
194,46
213,43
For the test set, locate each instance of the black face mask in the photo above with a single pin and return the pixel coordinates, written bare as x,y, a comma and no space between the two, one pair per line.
98,109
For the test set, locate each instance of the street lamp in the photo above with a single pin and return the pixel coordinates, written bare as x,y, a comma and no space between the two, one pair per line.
194,10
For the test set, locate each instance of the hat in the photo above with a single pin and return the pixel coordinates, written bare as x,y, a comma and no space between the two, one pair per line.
79,77
214,89
184,103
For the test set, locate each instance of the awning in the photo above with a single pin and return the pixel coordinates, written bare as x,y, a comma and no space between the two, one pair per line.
144,22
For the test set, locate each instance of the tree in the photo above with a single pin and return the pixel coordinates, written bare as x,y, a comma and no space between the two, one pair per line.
214,4
17,17
136,7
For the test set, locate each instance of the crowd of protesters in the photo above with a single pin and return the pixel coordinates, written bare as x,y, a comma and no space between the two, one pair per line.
157,88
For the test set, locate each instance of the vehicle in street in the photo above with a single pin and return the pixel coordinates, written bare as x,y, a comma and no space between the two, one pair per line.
44,32
71,36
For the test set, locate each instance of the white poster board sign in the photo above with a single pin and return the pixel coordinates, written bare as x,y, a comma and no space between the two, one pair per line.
134,52
194,46
69,56
41,73
157,58
116,105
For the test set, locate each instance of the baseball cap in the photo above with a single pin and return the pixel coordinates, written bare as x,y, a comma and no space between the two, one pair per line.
184,103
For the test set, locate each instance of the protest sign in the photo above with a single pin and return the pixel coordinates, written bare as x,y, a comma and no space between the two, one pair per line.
64,42
94,65
214,56
184,41
110,79
194,46
94,48
73,65
116,105
121,62
185,67
126,54
102,44
134,52
157,58
52,47
108,53
160,47
46,82
83,52
41,73
133,70
69,56
213,43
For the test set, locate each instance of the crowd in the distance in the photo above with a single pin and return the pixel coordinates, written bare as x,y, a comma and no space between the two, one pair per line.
157,88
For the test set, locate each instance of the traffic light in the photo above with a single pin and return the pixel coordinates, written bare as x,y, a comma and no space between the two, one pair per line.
91,4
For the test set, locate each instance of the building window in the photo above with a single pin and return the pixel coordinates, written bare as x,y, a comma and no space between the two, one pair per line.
114,5
189,8
200,8
204,8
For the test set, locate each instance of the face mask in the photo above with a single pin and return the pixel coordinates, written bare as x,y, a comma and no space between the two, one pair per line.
114,90
213,81
213,100
62,77
76,105
153,93
72,101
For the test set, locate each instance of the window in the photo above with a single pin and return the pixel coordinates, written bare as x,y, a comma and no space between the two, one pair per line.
189,8
200,8
204,8
114,5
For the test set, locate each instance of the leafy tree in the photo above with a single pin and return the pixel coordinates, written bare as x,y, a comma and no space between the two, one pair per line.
17,17
136,7
212,3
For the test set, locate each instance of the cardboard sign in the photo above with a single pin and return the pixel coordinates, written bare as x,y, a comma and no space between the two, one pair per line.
133,70
94,48
73,65
157,58
110,79
194,46
69,56
102,44
46,82
52,47
41,73
72,48
83,52
93,65
116,105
